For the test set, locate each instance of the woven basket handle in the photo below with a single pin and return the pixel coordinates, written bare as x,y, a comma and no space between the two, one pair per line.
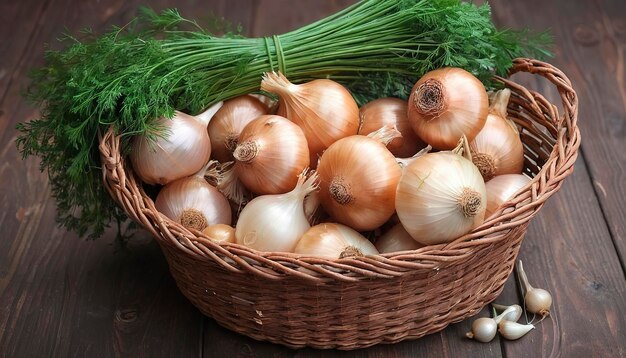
559,79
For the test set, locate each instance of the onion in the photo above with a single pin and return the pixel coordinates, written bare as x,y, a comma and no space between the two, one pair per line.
384,111
396,239
227,123
446,104
334,241
194,203
440,197
183,150
275,223
503,188
358,179
324,109
498,149
271,153
220,233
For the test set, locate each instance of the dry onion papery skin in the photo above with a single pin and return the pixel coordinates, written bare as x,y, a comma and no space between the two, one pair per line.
220,233
441,196
446,104
275,223
193,203
502,188
498,148
334,241
182,151
324,109
393,111
227,124
396,239
358,179
272,151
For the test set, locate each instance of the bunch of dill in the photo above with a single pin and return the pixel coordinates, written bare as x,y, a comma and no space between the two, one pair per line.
129,76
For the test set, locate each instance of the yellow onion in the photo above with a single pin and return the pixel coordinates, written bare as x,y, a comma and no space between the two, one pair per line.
446,104
358,179
193,203
334,241
183,148
503,188
272,151
324,109
498,149
220,233
396,239
227,124
384,111
441,196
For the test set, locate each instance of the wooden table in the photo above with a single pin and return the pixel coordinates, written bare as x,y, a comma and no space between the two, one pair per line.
61,296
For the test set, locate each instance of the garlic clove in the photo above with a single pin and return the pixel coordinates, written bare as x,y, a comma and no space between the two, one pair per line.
509,313
512,330
483,330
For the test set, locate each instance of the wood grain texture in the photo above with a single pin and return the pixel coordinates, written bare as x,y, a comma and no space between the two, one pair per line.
65,297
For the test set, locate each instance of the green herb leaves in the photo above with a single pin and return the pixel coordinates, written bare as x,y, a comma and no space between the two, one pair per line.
134,74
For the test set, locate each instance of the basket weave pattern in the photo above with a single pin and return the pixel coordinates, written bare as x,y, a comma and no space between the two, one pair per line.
358,302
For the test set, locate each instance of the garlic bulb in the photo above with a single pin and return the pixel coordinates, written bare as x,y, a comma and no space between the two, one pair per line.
384,111
483,330
446,104
194,203
220,233
358,179
396,239
503,188
509,313
324,109
227,124
272,151
497,149
182,150
334,241
440,197
275,223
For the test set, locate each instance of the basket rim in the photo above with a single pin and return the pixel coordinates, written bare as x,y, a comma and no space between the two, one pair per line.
121,183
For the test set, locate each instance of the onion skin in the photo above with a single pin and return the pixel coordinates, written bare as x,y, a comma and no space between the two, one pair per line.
323,109
358,179
441,196
501,189
272,151
498,148
446,104
391,111
226,125
182,151
334,241
184,199
395,240
220,233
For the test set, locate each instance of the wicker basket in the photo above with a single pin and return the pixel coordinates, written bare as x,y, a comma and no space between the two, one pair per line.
358,302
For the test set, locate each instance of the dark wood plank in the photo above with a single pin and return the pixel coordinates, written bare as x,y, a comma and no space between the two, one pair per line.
591,48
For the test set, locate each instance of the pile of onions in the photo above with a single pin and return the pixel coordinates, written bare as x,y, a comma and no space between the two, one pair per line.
358,179
227,123
334,241
183,150
498,149
262,163
391,111
272,151
447,104
324,109
440,197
